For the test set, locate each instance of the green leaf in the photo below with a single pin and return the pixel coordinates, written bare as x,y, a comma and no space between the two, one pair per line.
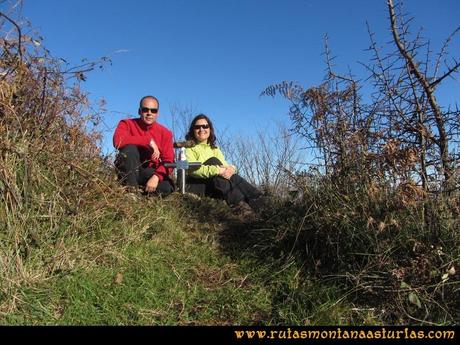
404,285
413,298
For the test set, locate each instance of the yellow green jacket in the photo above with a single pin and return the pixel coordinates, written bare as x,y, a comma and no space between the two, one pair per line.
201,152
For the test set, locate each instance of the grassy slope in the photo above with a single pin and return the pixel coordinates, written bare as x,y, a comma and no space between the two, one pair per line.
166,262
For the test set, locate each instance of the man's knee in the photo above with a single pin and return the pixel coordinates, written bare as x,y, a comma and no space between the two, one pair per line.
126,155
129,150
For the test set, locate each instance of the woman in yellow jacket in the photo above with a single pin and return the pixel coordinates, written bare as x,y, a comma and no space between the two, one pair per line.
215,178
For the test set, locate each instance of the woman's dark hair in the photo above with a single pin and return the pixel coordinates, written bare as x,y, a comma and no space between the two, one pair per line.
191,133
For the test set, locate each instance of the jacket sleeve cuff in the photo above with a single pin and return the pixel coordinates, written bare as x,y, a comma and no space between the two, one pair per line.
160,177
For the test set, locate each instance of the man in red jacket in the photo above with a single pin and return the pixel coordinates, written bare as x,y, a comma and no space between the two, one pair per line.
144,146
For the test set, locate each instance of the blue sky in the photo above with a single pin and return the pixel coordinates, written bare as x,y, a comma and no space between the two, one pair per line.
216,56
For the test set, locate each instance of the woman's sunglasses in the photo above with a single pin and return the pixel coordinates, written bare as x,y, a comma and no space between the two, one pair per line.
196,127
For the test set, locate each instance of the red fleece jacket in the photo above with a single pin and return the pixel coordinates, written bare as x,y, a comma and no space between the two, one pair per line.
136,132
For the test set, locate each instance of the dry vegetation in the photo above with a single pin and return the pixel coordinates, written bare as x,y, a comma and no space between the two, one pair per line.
54,184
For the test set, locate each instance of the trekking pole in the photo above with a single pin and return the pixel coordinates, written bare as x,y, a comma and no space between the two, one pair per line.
182,164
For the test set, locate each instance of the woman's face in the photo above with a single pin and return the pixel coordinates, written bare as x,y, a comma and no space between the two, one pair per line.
201,130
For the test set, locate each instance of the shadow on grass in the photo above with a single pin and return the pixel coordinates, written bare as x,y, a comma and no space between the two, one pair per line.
269,249
260,253
240,236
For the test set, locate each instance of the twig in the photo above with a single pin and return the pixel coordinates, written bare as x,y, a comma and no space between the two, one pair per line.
19,33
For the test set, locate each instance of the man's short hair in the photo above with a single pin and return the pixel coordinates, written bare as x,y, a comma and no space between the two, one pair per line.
152,97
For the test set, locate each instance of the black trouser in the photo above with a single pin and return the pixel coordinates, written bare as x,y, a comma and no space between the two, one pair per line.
133,170
232,191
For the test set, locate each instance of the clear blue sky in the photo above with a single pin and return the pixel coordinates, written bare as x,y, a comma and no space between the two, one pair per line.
216,56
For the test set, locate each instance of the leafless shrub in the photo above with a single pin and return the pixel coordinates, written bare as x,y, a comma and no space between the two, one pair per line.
181,118
268,159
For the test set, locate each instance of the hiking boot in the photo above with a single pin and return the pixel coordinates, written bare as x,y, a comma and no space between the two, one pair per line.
259,204
243,210
132,192
132,196
193,196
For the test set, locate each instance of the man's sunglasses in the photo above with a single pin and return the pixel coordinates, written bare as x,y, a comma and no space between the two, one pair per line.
200,126
152,110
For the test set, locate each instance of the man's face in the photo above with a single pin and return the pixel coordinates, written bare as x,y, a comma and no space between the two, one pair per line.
149,111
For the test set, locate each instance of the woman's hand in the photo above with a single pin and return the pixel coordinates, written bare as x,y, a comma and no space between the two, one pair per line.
152,184
222,171
227,172
156,151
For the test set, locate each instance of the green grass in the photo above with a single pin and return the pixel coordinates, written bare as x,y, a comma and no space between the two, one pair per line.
174,261
160,263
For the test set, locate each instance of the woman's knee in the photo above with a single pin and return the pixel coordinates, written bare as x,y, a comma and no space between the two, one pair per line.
221,183
212,161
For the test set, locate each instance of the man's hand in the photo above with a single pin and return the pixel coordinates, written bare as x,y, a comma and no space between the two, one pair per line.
156,151
152,184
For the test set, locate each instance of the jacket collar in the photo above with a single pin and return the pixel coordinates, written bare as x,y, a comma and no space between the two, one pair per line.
143,125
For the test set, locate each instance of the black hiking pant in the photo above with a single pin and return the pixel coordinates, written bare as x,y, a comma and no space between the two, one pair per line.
133,170
233,191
